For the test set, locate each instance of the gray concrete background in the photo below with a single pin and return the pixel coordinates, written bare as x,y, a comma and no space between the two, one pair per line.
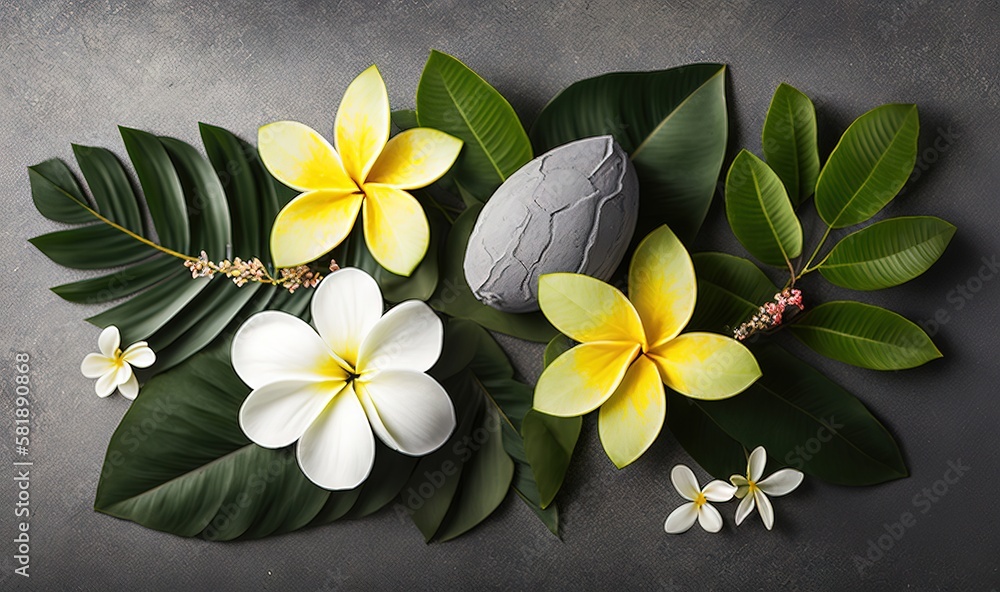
72,71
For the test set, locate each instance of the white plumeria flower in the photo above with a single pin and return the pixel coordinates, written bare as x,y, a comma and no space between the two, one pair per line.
698,508
329,388
113,367
754,491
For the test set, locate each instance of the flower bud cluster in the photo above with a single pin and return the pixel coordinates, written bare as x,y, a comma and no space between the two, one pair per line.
770,314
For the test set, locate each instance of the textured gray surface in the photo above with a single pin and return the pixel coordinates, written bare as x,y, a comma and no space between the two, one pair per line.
71,71
572,209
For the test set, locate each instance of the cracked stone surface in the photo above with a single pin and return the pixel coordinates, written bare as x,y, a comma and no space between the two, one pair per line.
571,209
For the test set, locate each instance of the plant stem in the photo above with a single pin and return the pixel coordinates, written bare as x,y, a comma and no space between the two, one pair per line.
441,208
141,239
806,269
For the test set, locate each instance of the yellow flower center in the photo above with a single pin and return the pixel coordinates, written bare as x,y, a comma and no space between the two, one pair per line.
700,500
751,486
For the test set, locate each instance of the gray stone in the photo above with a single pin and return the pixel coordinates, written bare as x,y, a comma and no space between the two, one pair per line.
571,209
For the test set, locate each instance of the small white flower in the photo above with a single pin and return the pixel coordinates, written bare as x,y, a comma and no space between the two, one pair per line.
753,491
358,374
113,367
698,508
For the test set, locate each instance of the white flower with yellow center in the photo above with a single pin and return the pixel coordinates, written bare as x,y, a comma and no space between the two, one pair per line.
754,491
113,367
331,387
697,508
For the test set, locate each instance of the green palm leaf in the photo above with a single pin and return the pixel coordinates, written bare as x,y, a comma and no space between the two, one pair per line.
194,473
217,205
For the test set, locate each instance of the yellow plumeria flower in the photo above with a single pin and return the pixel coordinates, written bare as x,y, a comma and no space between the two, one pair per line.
629,350
366,172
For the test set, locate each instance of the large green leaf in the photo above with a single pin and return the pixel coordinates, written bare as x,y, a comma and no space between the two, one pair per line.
865,336
548,445
454,99
460,485
730,290
708,444
887,253
869,166
179,463
789,142
672,122
759,212
804,420
454,297
217,205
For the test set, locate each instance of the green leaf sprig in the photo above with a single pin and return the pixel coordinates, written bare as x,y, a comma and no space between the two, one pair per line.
868,167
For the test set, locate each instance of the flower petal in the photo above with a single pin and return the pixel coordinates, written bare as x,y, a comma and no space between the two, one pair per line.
587,309
764,507
741,491
781,482
684,482
718,491
123,373
583,378
362,125
277,414
346,306
681,519
298,156
709,518
396,228
312,224
109,341
415,158
632,418
408,410
706,365
661,285
106,384
756,463
273,346
745,508
139,355
338,449
408,337
738,480
97,365
130,388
